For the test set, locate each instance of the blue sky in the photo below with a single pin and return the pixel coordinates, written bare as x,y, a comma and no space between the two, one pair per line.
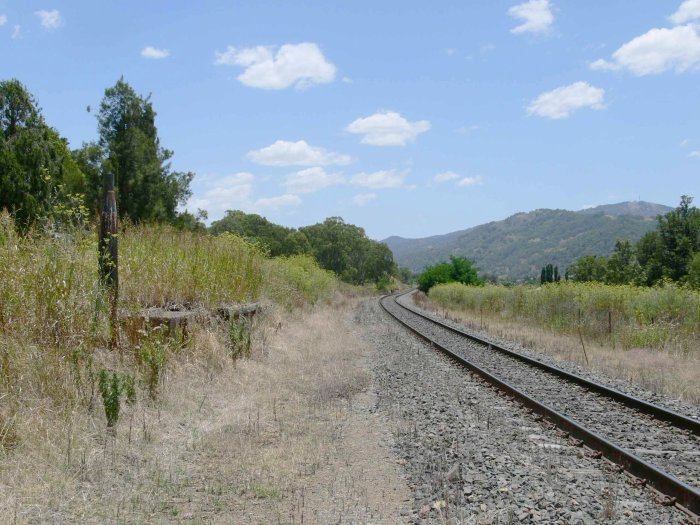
404,117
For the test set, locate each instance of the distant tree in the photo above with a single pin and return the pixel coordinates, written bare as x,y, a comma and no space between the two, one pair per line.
588,268
622,266
191,222
679,232
549,274
440,273
694,271
649,253
147,188
277,239
346,250
459,269
36,168
405,275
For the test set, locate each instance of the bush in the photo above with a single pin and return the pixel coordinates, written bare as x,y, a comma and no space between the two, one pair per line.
459,269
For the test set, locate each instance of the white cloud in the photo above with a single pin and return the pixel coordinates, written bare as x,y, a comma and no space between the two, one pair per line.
463,130
684,143
299,65
154,52
311,180
564,101
50,19
225,193
380,179
3,20
656,51
287,153
694,154
536,15
278,202
387,128
445,176
16,31
364,198
470,181
688,10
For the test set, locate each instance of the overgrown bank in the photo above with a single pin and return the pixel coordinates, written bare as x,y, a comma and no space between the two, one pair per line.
55,364
650,335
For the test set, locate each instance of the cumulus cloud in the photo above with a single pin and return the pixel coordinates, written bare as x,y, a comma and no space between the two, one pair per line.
311,180
564,101
688,11
445,176
364,198
536,16
3,20
299,65
300,153
656,51
387,128
277,202
225,193
470,181
154,53
380,179
50,20
694,154
16,31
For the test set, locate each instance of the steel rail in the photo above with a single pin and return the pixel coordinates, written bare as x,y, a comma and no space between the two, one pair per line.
686,497
660,413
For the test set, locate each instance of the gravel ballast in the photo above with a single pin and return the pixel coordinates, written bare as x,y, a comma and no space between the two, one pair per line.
473,456
674,450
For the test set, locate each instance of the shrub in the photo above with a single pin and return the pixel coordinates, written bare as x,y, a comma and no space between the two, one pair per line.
459,269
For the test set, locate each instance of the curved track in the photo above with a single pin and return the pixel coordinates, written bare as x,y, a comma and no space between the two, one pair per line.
655,445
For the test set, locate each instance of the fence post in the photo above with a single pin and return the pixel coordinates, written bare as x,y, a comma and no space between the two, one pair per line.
108,255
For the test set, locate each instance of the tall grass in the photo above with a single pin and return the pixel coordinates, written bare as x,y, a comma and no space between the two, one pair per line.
665,317
297,280
54,329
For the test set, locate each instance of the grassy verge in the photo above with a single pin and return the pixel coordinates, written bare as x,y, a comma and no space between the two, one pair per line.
648,335
65,398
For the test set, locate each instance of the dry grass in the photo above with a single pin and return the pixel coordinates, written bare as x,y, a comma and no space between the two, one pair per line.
243,442
670,371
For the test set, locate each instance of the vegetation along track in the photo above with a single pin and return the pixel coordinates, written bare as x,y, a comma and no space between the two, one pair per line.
655,445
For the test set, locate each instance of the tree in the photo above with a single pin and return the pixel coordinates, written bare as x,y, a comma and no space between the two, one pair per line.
622,266
147,189
649,253
459,269
694,271
346,250
549,274
588,268
36,169
679,232
277,239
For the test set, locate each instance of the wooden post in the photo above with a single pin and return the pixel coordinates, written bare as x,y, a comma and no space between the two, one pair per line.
108,255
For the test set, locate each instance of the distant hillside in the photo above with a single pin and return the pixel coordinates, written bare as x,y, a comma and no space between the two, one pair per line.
636,208
516,248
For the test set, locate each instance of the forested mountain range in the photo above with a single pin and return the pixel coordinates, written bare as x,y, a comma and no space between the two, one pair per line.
516,248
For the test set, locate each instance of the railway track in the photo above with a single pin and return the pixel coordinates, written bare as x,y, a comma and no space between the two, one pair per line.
657,447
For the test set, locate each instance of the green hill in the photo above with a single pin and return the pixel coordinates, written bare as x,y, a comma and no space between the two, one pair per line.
516,248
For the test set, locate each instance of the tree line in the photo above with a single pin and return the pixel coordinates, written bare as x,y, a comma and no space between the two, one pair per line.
338,246
41,178
670,252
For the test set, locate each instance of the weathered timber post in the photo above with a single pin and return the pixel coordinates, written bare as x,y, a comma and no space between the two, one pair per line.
108,255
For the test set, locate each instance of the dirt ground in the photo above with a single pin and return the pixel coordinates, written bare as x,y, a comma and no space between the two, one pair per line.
285,436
